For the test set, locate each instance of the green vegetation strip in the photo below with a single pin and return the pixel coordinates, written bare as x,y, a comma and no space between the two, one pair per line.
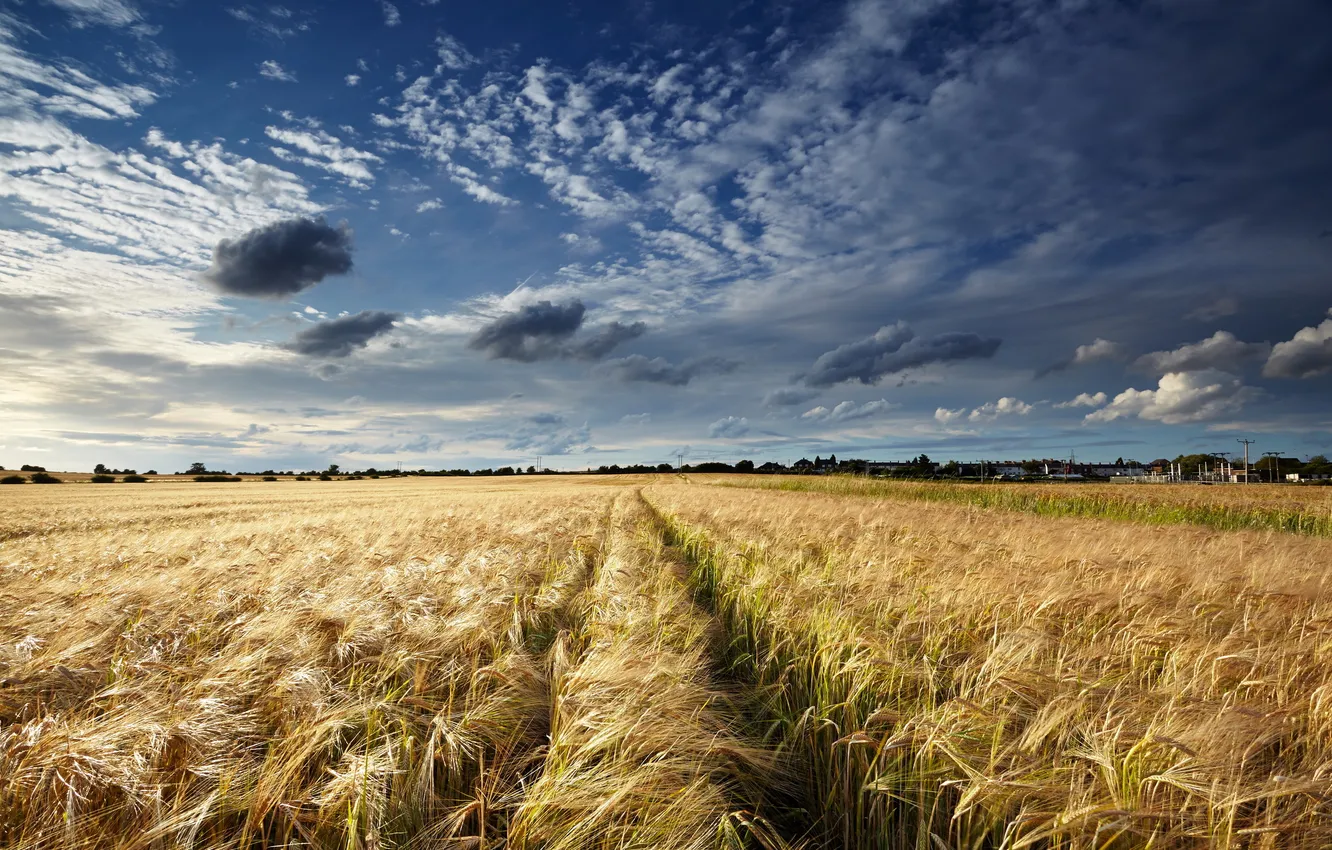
1128,505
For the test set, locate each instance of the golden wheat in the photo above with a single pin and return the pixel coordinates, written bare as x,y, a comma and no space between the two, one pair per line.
994,679
646,662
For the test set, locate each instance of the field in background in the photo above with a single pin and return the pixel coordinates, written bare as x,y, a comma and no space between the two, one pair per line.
653,662
1296,509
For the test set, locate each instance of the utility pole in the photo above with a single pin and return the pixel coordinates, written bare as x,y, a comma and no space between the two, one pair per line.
1247,443
1273,465
679,460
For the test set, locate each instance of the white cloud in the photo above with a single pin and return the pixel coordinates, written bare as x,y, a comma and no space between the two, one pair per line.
114,13
847,411
1180,397
1006,406
432,204
945,416
636,418
1306,355
729,427
1100,349
1220,351
352,79
452,54
26,83
272,70
99,267
392,17
1084,400
326,152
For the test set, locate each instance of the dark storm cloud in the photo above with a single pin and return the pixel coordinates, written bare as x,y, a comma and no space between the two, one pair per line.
891,349
281,259
788,396
604,340
658,370
545,331
531,333
340,337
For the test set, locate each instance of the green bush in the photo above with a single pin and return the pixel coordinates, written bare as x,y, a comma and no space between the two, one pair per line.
216,478
134,479
104,479
325,477
302,478
43,478
13,479
270,477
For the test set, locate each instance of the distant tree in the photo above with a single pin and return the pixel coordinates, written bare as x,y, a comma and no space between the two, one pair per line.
332,469
952,468
43,478
504,470
197,468
745,466
1191,463
151,472
27,467
710,466
531,470
100,469
665,467
1317,465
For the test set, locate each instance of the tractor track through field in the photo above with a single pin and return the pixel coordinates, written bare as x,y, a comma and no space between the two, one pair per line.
820,711
644,745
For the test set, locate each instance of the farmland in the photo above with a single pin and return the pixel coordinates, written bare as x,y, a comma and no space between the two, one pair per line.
663,662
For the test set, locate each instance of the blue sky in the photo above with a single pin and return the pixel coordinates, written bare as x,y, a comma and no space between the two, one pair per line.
283,235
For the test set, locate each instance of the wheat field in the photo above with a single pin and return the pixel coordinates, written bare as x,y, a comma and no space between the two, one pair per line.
650,662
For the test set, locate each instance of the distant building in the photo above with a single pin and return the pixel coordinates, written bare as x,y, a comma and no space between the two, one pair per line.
1307,476
803,465
1112,470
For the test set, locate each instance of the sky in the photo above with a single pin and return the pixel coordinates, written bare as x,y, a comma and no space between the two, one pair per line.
468,235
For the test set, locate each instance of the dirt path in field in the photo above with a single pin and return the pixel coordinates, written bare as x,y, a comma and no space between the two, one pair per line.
647,744
784,803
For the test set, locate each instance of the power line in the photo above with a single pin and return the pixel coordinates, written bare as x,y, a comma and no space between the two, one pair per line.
1247,442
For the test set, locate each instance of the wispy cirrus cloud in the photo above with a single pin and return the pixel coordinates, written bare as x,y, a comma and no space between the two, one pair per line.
273,70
